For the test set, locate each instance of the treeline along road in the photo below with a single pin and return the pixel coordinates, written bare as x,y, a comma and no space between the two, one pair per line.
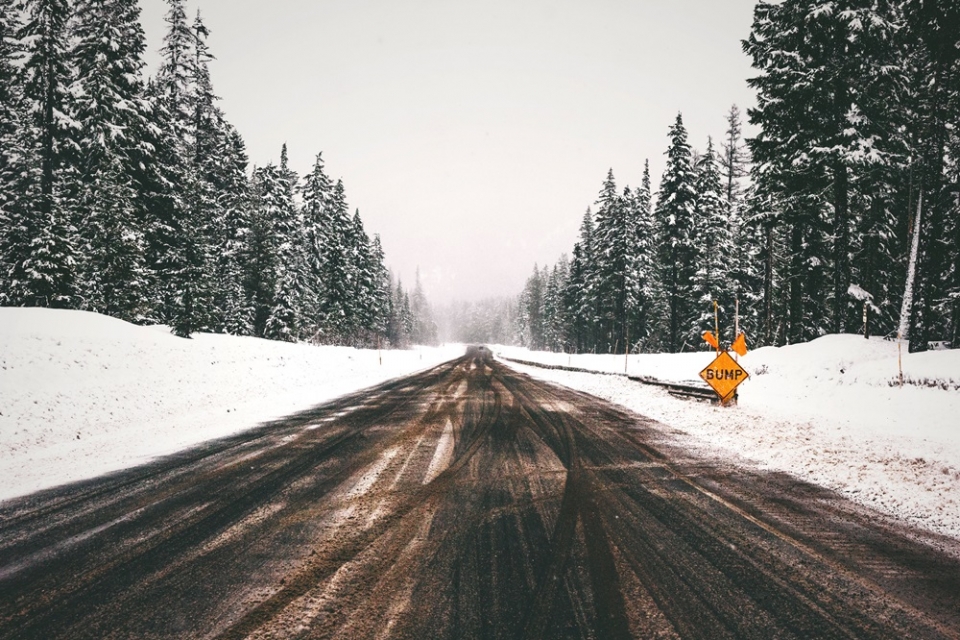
467,501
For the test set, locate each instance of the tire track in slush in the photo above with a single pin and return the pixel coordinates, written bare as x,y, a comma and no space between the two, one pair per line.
686,595
321,568
577,505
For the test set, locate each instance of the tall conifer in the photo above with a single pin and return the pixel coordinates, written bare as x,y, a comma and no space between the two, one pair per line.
41,245
677,255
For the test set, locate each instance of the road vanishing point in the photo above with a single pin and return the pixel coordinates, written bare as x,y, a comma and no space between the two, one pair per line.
466,501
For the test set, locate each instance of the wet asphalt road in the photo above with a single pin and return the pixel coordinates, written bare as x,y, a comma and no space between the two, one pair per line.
468,501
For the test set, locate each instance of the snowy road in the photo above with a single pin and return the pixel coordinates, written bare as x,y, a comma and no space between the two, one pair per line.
467,501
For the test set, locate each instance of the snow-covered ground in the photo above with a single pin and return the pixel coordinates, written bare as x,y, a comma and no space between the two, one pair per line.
830,411
83,394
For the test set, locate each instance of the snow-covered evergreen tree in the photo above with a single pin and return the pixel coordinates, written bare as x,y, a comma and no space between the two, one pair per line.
400,324
380,306
554,329
364,283
10,89
424,329
176,247
712,233
734,161
40,246
177,70
283,319
615,266
744,271
573,293
642,332
106,102
581,291
316,193
677,255
288,320
530,313
43,273
11,153
336,300
233,312
262,256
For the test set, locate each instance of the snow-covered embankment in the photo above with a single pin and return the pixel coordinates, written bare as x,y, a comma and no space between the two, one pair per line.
83,394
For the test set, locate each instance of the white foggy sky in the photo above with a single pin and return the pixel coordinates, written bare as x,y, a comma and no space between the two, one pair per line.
472,136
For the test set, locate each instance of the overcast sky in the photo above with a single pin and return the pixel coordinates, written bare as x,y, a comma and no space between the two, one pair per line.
472,136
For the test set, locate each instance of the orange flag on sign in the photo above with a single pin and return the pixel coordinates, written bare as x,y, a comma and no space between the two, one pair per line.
711,339
740,344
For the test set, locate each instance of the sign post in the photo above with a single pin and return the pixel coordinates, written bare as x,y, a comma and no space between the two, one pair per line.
724,375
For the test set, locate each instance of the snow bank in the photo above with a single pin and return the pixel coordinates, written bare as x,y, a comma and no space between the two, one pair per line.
830,412
83,394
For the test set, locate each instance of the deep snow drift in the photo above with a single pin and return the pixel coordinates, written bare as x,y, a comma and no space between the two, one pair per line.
830,411
83,394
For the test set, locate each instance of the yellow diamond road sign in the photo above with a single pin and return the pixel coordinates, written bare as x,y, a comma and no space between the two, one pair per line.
723,375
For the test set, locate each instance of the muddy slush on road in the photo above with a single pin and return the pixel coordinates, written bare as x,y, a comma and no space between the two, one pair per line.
466,501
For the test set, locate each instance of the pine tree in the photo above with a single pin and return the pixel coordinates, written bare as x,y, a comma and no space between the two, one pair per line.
107,93
43,274
40,248
47,79
176,247
763,219
645,234
615,246
714,248
380,307
284,320
424,329
11,153
177,71
288,319
733,160
398,331
746,239
163,171
275,279
235,314
555,338
585,295
364,283
201,100
316,193
336,269
530,315
675,215
572,297
10,90
262,256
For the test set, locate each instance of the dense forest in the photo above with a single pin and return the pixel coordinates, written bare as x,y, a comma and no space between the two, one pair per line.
132,196
843,206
